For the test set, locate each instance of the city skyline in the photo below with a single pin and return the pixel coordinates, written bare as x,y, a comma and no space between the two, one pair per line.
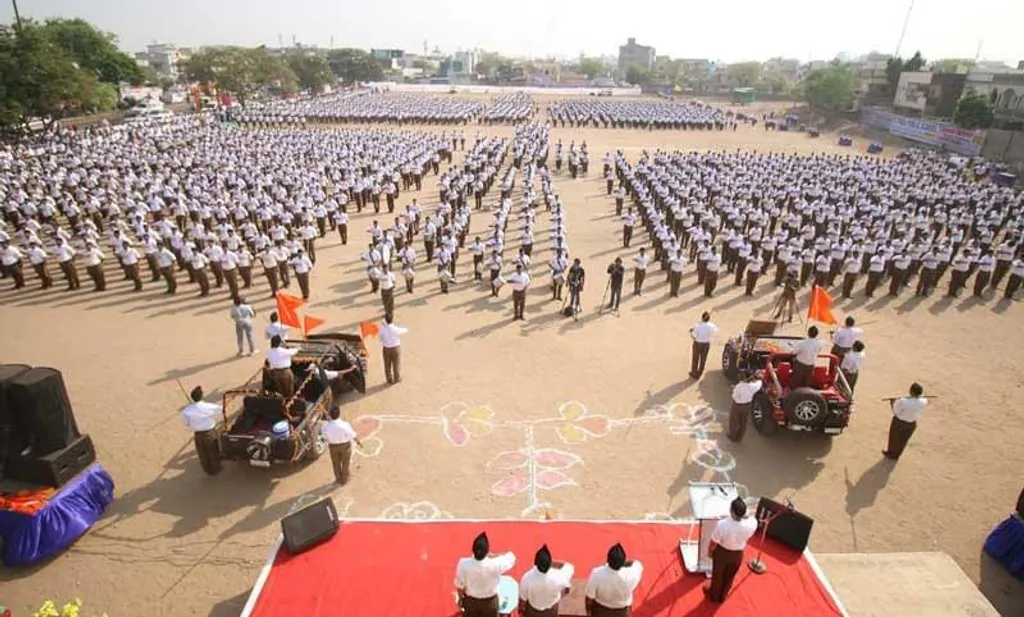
806,31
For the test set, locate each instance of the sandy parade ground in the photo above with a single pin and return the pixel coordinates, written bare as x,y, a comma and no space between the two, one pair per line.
607,401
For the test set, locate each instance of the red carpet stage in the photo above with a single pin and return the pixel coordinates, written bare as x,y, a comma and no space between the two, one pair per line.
407,569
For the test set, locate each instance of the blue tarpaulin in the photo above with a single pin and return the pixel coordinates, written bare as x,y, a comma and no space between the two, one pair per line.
68,515
1006,545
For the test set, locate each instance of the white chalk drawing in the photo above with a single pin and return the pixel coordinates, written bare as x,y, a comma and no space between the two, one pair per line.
533,471
415,511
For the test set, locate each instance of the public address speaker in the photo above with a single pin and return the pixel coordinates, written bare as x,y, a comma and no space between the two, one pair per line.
42,416
790,527
309,526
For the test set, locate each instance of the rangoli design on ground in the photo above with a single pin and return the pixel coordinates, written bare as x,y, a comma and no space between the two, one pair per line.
532,471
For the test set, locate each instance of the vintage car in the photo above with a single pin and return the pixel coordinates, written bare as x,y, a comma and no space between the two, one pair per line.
263,428
824,407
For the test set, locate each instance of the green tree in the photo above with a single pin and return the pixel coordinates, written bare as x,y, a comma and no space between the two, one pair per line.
776,84
94,50
638,75
896,65
239,70
952,65
830,88
592,67
916,63
973,111
351,65
38,78
312,70
743,74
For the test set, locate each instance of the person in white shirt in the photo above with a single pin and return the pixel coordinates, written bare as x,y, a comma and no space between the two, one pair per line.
387,288
66,261
202,418
303,265
391,344
37,257
906,412
728,540
268,257
280,359
519,280
242,314
543,586
628,220
640,272
339,436
852,361
477,579
844,338
675,274
94,266
807,352
742,400
275,328
701,335
610,587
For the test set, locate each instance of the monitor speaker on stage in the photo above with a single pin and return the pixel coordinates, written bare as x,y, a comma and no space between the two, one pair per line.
790,527
43,421
310,526
54,469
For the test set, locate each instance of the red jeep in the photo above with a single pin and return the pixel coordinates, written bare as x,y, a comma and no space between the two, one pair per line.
824,407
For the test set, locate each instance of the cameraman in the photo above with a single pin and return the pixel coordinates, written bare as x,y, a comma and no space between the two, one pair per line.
576,278
617,273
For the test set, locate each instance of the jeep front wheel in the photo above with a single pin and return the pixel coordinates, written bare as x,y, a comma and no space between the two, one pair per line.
761,416
730,364
805,407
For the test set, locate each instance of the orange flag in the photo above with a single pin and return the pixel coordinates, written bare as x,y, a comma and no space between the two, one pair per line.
286,306
310,323
820,308
368,328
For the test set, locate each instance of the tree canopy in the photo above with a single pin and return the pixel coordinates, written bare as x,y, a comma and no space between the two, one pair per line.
638,75
312,70
744,74
973,111
240,70
830,88
952,65
352,65
591,67
94,50
896,65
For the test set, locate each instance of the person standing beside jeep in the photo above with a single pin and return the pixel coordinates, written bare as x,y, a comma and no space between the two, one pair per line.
742,399
339,435
906,412
806,352
701,335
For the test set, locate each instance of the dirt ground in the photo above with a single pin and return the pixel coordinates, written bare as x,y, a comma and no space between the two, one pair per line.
495,418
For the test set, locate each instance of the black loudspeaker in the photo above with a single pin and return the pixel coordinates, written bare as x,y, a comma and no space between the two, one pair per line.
790,527
43,419
309,526
1020,504
54,469
7,373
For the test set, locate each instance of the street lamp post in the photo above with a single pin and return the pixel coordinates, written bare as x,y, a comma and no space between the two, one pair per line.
17,15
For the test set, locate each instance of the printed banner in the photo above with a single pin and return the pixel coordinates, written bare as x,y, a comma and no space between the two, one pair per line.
932,133
917,130
962,141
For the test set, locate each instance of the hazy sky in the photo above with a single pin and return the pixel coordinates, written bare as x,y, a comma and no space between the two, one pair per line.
726,30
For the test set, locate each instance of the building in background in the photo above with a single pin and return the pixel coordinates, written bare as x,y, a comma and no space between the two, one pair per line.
1005,91
164,58
631,53
929,94
871,79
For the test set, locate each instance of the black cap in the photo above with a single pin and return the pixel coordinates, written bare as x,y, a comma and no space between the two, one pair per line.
616,557
196,394
481,546
738,507
542,559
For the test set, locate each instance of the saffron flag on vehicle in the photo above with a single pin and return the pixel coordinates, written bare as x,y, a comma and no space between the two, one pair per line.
368,328
286,306
310,323
820,308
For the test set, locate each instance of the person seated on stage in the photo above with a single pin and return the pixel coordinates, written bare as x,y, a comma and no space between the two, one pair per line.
726,549
610,587
541,589
477,579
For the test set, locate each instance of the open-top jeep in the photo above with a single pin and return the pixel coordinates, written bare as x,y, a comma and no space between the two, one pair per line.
262,427
825,406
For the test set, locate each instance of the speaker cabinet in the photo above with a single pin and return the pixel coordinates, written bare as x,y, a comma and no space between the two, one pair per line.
43,419
309,526
790,527
7,443
1020,505
55,469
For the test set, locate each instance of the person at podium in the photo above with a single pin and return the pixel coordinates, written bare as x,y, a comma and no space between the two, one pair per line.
477,579
726,549
610,587
542,587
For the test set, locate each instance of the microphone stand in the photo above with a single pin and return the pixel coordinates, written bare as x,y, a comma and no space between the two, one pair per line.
756,565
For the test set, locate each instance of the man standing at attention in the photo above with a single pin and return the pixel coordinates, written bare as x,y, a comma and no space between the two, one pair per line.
906,412
807,352
616,274
742,399
610,587
387,289
640,272
477,579
728,540
543,586
242,314
519,280
391,343
202,417
339,436
701,335
280,358
844,338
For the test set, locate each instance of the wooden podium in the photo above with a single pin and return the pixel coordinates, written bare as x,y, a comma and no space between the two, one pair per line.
710,502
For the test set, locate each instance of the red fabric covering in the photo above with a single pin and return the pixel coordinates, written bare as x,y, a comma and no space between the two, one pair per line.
407,570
